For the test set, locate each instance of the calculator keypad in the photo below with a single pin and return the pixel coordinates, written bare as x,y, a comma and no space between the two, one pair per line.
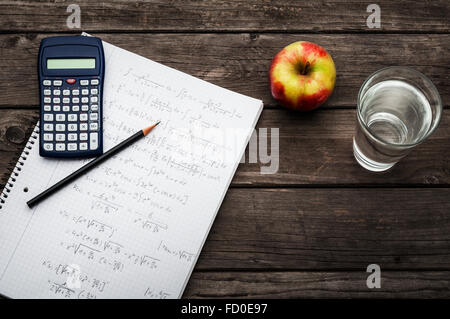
70,117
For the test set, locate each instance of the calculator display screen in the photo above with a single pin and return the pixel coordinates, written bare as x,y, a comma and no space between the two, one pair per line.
85,63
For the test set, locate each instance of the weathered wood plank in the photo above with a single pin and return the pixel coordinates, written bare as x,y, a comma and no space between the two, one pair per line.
330,229
317,149
314,149
15,128
398,284
240,62
216,15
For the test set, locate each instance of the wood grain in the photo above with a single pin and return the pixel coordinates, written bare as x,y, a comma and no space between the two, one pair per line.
240,62
310,229
15,129
397,284
216,15
315,149
320,229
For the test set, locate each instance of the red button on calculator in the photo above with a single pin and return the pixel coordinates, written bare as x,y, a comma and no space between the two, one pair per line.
71,81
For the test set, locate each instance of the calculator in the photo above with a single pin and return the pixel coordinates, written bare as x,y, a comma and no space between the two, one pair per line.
71,76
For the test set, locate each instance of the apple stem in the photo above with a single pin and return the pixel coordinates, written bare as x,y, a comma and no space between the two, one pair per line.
305,69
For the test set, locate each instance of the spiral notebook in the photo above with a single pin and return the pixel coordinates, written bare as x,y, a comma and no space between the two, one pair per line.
135,225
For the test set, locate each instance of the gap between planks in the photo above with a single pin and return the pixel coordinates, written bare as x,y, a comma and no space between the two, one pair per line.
226,31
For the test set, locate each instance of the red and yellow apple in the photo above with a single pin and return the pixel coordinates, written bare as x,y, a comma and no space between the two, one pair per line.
302,76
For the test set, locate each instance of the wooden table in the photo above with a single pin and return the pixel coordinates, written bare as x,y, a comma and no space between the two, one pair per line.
311,229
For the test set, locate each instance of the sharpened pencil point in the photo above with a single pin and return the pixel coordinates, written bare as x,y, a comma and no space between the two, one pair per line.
148,129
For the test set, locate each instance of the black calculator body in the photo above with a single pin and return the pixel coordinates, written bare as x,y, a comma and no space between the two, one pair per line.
71,75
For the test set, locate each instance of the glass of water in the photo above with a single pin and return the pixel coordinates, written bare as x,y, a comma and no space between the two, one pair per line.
398,108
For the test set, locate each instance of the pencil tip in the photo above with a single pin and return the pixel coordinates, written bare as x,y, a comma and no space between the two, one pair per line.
148,129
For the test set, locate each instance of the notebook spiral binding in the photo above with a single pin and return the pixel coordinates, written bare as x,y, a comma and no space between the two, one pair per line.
18,166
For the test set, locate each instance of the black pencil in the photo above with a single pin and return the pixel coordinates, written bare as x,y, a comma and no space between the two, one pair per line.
37,199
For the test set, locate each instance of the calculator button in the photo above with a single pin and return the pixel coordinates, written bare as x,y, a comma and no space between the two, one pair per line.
83,126
94,82
47,92
94,99
75,92
71,81
48,146
72,147
56,100
47,108
57,82
72,127
48,137
75,100
85,92
83,136
93,126
60,117
75,108
93,139
72,117
94,91
83,117
84,82
48,117
47,82
66,100
60,137
66,108
47,100
83,146
93,116
66,92
60,127
84,100
48,127
56,108
56,92
60,146
85,108
72,137
94,107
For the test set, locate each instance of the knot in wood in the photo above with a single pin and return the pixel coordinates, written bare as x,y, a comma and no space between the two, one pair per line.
15,134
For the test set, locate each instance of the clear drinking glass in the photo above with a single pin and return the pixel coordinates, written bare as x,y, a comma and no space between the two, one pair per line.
398,108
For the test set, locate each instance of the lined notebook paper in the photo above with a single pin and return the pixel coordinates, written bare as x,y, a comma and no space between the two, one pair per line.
134,226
